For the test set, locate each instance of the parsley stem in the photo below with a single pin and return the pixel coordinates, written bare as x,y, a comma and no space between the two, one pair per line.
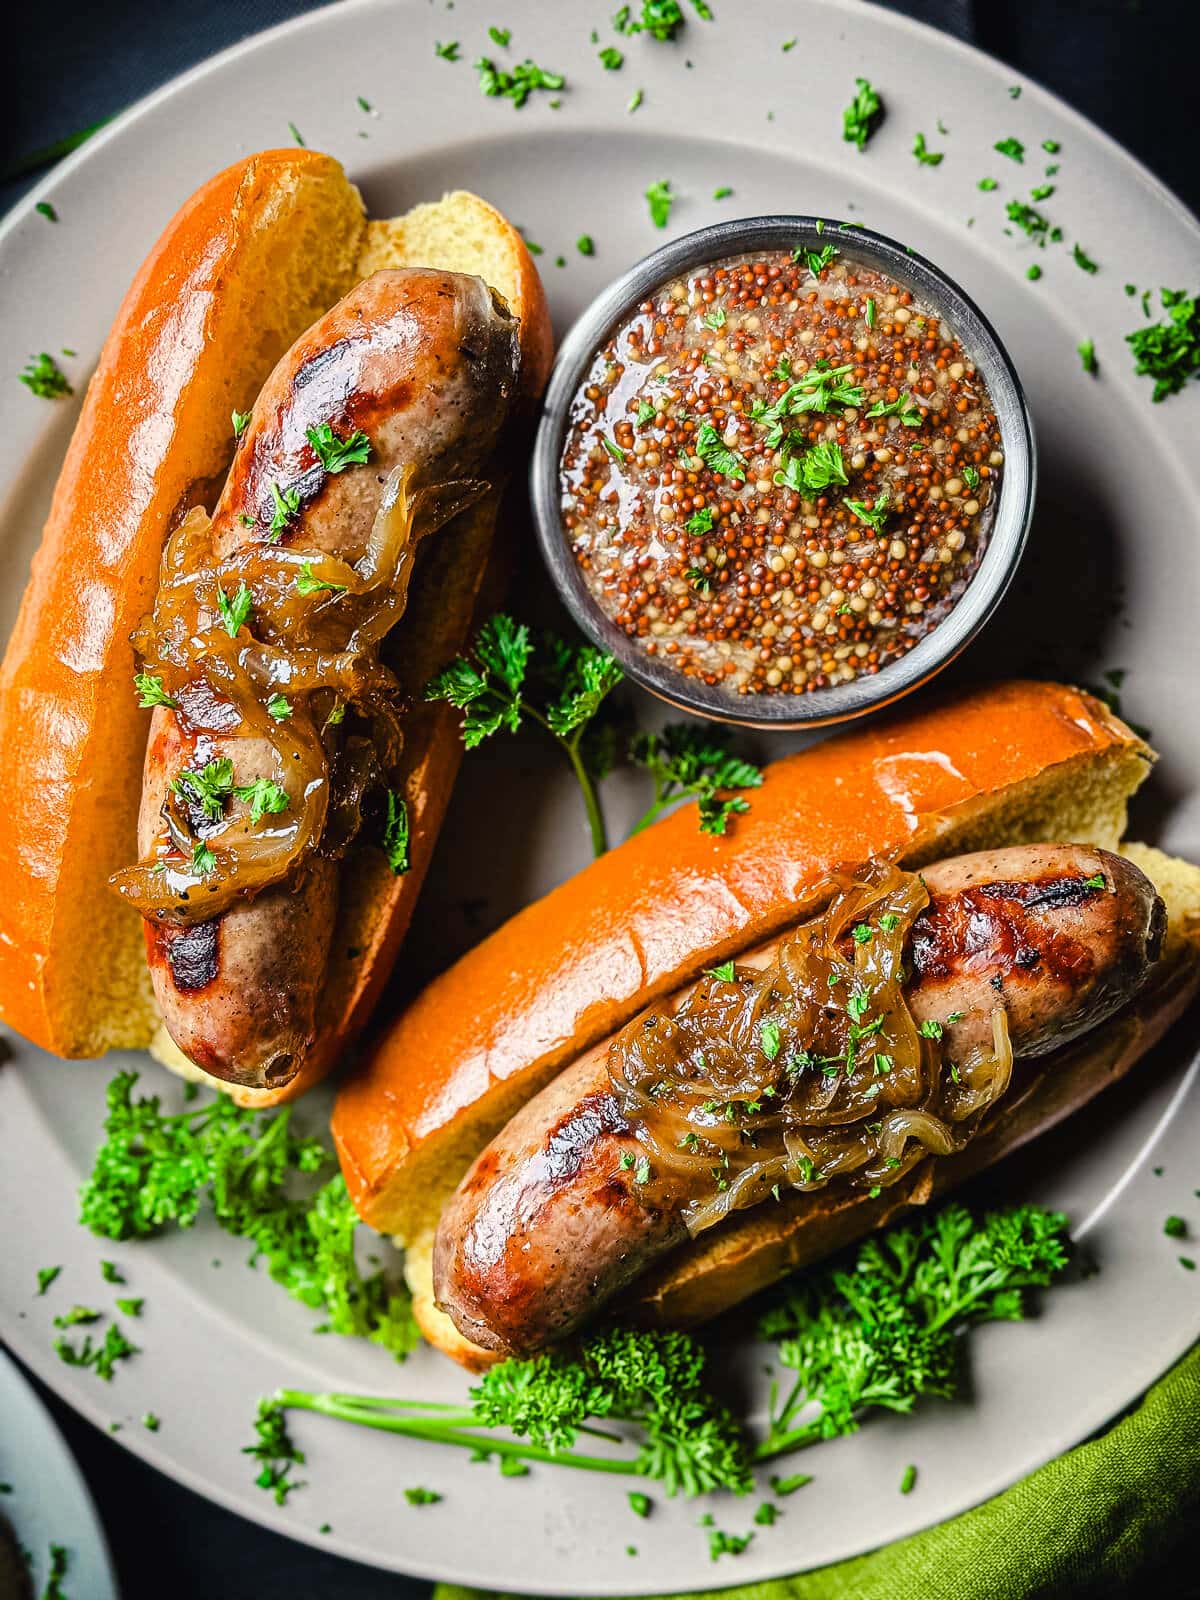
591,800
444,1431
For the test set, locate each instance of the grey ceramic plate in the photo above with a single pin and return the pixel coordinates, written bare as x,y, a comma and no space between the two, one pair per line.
1110,582
48,1501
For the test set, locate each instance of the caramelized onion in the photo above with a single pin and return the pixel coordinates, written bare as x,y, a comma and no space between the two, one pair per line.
807,1071
318,646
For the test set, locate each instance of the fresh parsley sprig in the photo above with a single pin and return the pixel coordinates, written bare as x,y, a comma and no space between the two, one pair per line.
156,1169
693,763
491,685
863,115
879,1328
686,1440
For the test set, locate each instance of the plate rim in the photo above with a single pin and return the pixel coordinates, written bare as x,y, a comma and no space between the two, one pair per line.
46,1369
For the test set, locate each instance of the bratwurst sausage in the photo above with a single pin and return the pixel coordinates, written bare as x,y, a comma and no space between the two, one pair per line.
551,1221
423,364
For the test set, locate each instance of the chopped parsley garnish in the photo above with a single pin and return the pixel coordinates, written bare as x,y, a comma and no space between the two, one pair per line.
660,199
635,100
335,454
150,691
815,469
908,1478
871,313
501,37
422,1497
816,260
862,116
769,1039
45,209
1030,221
873,516
1012,148
490,686
585,244
906,408
1175,1228
714,319
639,1503
789,1485
661,19
1082,260
717,455
448,51
111,1273
611,58
1169,351
77,1315
970,476
926,157
131,1307
279,707
694,763
45,1277
276,1452
395,838
646,413
987,185
1096,882
45,377
100,1358
206,788
59,1561
241,421
235,608
1042,192
150,1422
1051,146
722,193
1087,356
930,1029
287,508
726,1544
308,583
724,972
1033,272
614,450
517,85
297,135
264,797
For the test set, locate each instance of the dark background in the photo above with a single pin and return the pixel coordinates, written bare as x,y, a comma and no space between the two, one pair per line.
1130,65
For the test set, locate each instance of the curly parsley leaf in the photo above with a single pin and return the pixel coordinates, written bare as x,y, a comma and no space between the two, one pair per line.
335,454
688,761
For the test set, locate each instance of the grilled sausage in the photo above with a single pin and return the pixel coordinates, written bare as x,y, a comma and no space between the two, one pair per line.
424,362
548,1224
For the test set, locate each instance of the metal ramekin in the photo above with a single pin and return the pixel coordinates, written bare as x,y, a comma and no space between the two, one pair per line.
1011,517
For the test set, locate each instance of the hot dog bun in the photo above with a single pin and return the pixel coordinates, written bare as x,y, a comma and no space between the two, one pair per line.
247,264
1009,764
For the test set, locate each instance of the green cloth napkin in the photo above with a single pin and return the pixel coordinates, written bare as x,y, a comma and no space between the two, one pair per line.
1108,1518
